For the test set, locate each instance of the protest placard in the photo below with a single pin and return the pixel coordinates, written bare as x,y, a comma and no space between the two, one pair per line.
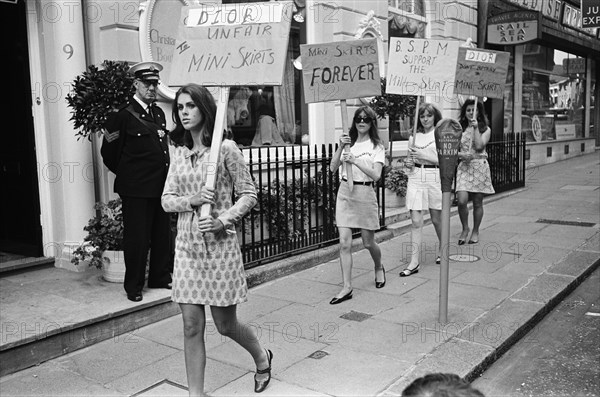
340,70
421,66
228,45
481,72
232,44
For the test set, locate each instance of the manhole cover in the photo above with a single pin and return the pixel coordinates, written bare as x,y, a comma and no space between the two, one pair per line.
463,258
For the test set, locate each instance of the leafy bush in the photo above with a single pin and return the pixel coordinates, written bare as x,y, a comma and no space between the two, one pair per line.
97,92
105,232
395,179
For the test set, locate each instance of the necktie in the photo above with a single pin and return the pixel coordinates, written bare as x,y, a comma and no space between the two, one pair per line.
151,113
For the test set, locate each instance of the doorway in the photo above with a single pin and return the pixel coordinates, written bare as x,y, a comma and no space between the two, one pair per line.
20,230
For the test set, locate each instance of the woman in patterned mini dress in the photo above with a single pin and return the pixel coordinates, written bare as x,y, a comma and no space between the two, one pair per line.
208,267
473,174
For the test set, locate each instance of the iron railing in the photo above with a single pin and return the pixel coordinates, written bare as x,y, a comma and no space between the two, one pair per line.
507,162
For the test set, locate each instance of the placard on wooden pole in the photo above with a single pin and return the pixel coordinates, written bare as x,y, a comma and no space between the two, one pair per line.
224,45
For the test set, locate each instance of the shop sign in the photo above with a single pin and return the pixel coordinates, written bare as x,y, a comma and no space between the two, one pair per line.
571,17
590,13
421,66
574,65
231,44
514,27
340,70
481,73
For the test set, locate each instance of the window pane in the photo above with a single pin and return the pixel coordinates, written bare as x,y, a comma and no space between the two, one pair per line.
553,94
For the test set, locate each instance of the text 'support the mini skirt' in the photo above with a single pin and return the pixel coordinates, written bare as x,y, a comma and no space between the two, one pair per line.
356,208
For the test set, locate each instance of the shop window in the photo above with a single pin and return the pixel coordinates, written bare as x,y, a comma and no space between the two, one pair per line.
553,94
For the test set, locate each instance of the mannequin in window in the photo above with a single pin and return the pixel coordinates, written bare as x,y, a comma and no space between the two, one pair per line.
267,132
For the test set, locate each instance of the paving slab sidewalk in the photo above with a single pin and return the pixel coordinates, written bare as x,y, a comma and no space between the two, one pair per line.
536,245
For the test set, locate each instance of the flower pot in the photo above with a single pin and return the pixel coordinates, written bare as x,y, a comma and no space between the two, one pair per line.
392,200
113,269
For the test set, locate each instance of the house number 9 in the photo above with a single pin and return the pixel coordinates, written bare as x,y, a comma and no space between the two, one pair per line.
68,49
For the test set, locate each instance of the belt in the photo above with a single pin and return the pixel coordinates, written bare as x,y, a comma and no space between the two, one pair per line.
370,183
426,165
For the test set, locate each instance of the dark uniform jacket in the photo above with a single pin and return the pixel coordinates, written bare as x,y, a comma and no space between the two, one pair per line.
140,156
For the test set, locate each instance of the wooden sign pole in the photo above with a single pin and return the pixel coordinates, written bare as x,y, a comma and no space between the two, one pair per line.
474,118
416,123
347,166
215,146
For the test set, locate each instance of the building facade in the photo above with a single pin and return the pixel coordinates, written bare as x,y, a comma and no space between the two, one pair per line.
54,179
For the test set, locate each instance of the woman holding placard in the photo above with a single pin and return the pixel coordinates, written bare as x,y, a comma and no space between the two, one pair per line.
357,207
208,267
473,174
424,190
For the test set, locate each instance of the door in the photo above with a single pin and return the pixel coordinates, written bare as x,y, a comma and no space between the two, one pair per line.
20,230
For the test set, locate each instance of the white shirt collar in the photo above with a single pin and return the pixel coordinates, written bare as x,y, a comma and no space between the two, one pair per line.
144,105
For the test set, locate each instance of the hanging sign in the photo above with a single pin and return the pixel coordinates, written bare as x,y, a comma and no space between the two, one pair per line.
514,27
421,66
232,44
340,70
481,73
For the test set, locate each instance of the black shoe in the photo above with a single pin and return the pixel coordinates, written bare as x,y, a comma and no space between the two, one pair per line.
380,284
335,300
136,297
261,385
461,242
407,272
438,260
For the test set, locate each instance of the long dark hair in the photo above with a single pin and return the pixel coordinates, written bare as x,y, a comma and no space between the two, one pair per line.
429,108
373,133
482,120
205,102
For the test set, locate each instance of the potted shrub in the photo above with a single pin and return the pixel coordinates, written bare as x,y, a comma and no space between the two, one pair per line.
395,182
103,245
97,92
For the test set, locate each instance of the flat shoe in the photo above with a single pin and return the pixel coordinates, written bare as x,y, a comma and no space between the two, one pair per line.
407,272
438,260
461,242
380,284
261,385
335,300
473,241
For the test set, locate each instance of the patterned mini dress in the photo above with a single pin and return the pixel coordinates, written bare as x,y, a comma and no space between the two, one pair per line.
473,176
208,268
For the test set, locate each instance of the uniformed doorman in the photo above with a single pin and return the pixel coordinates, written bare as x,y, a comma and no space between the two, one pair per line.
135,148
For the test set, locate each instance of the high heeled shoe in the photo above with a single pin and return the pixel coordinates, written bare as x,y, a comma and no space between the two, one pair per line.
335,300
261,385
380,284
